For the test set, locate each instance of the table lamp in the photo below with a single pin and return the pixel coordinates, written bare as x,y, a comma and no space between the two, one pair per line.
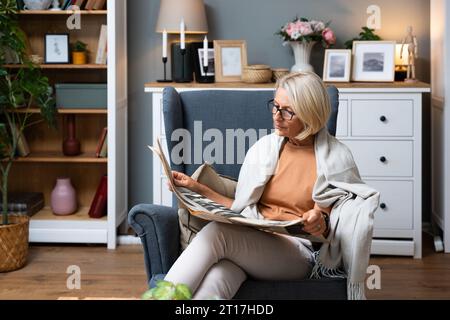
401,63
172,14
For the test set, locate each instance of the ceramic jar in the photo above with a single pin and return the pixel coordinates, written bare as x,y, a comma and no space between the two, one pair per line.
37,4
63,197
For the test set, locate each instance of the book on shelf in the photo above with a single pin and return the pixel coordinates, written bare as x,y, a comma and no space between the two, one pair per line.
78,3
98,207
204,208
101,141
25,203
23,150
104,150
101,57
90,4
99,4
66,4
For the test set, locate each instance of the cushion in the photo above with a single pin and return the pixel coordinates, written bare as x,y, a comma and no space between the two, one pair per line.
191,225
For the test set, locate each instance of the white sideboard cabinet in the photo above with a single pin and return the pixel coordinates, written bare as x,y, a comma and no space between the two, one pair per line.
382,125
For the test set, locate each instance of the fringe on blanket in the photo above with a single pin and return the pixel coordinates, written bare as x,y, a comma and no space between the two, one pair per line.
320,271
355,291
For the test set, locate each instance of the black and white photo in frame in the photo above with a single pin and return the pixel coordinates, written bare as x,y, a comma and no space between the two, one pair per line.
57,48
373,61
201,53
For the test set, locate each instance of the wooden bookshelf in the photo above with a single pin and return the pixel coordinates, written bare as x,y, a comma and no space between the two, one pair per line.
63,12
62,66
81,215
66,111
58,157
39,171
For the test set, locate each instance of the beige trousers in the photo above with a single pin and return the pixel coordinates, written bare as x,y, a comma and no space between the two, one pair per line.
221,256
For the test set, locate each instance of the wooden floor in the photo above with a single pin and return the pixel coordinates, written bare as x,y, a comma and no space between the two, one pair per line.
120,274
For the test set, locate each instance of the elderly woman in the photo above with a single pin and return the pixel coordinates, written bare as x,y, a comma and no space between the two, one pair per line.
298,171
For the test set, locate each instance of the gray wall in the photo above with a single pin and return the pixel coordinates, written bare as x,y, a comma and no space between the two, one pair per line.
256,21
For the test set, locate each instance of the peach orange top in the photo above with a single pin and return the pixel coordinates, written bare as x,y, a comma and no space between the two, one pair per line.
288,194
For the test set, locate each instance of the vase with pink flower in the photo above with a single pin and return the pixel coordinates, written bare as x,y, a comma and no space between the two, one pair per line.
302,34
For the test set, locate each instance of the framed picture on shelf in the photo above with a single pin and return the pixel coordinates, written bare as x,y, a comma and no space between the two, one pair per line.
373,61
337,65
230,56
57,48
201,54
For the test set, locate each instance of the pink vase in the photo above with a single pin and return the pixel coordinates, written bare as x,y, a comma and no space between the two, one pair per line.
63,198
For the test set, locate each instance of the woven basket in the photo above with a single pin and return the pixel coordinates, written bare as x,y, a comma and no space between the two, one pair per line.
258,73
14,243
279,73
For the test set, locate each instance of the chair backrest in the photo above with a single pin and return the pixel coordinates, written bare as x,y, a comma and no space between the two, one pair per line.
209,121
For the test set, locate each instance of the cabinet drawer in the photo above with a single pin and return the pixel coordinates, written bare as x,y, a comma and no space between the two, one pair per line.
383,158
396,204
383,118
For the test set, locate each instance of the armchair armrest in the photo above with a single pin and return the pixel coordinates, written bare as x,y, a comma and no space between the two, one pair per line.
158,228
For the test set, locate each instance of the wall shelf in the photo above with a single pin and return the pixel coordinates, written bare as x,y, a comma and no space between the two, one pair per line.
61,66
65,111
58,157
81,215
62,12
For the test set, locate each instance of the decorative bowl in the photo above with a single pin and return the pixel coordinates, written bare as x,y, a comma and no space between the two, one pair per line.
258,73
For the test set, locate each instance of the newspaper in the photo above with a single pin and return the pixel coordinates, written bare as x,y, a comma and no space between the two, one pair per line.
206,209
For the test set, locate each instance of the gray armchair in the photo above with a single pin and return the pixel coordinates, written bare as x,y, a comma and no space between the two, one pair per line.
157,226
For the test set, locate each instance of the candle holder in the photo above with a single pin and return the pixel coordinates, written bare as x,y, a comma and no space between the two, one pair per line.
205,78
182,68
183,78
164,60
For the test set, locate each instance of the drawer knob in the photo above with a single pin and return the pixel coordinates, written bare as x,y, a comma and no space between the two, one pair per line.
383,206
383,119
383,159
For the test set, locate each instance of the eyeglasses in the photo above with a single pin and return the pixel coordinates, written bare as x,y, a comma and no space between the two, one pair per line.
285,114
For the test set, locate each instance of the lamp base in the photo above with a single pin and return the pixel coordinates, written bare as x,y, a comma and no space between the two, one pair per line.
164,81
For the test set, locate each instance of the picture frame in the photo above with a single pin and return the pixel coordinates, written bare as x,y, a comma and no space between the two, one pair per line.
210,71
373,61
337,65
197,58
57,50
230,56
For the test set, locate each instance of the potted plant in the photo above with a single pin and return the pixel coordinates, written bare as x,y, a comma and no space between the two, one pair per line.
79,53
166,290
22,88
366,35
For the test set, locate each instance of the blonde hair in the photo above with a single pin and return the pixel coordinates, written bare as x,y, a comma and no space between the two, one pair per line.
309,98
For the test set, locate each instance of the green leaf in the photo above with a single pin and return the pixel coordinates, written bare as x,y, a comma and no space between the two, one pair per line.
182,292
148,295
163,283
164,292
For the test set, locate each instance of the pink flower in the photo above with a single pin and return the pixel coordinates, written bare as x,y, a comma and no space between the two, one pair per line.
328,36
304,28
317,26
290,28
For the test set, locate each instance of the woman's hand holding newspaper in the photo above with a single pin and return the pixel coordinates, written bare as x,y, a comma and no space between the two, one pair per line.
183,180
